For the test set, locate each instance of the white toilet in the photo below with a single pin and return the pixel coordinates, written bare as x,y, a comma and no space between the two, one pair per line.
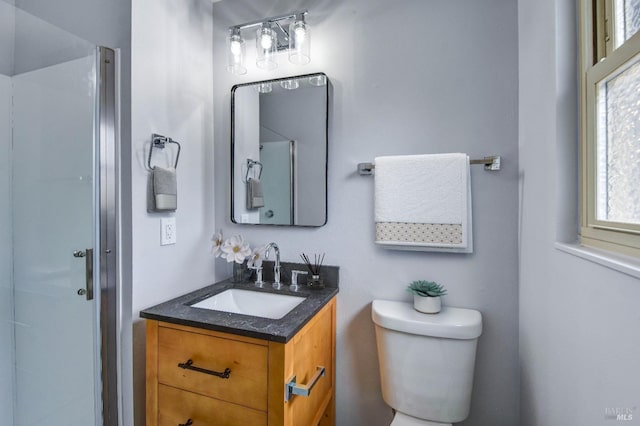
426,361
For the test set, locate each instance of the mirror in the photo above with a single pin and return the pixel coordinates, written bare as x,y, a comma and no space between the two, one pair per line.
279,151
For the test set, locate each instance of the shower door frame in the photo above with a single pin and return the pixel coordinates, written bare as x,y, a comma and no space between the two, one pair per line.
107,151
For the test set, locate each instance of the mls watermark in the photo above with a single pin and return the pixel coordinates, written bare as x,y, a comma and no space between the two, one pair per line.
622,414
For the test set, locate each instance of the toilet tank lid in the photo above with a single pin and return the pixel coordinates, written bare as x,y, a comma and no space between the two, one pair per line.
450,323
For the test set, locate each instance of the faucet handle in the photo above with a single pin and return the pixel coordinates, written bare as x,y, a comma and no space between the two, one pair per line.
294,279
258,282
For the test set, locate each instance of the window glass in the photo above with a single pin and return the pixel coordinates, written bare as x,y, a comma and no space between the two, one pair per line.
627,20
618,145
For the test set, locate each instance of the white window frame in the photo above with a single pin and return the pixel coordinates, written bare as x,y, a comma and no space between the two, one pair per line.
598,60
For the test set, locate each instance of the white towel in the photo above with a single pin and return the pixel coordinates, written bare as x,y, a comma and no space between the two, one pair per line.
423,202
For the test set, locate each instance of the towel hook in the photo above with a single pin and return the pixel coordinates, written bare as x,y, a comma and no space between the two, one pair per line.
159,141
250,165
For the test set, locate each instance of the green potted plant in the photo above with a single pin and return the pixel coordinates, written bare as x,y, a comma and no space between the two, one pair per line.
426,296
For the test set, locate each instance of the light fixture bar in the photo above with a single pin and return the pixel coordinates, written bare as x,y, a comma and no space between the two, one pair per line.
283,44
271,20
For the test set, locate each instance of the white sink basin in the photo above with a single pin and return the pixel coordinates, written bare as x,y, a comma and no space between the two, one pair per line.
254,303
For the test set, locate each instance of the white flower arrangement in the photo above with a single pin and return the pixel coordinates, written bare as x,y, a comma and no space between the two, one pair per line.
256,258
216,244
236,249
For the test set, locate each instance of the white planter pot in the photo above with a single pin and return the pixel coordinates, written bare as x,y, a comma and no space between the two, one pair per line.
427,305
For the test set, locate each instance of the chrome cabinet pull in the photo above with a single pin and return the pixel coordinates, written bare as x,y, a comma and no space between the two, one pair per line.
303,390
88,266
188,423
189,366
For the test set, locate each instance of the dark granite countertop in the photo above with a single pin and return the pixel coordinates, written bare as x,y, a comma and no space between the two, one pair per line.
179,311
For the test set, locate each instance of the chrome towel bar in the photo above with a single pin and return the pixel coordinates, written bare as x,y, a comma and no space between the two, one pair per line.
291,388
491,163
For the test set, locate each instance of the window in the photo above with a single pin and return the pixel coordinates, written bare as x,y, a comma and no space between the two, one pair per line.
610,112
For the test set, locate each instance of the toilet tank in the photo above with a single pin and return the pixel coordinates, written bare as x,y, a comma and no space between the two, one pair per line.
426,360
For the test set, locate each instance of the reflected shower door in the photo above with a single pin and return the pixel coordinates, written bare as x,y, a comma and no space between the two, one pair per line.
277,182
57,360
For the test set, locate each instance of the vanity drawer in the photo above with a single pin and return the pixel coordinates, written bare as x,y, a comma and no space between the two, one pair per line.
247,381
176,407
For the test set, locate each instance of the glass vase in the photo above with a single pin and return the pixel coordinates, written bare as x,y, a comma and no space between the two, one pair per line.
239,272
315,282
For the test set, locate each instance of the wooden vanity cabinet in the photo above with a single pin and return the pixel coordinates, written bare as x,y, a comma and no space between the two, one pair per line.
186,383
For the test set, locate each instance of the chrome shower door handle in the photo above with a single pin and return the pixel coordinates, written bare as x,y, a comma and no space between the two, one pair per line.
88,266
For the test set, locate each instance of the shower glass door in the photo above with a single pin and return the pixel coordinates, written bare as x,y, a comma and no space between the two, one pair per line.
50,336
277,160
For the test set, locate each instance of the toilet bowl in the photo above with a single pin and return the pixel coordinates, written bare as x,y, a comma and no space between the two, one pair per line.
426,361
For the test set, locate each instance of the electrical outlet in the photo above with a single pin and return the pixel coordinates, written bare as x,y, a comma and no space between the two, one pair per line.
167,231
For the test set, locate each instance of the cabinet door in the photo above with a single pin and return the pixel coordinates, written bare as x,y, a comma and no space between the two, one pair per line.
179,407
313,347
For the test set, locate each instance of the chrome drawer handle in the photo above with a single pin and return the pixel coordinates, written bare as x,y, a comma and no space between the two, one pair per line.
189,366
304,390
188,423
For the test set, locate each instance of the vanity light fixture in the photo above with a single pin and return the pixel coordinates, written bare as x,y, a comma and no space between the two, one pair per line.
299,41
235,53
266,41
280,33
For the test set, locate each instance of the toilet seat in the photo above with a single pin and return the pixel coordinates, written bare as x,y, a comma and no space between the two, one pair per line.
401,419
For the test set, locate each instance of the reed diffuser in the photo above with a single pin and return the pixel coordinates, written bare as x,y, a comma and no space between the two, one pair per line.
314,269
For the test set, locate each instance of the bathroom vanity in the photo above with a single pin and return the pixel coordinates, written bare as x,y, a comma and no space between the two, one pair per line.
209,367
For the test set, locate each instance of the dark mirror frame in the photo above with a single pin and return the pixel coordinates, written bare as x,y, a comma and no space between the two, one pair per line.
326,159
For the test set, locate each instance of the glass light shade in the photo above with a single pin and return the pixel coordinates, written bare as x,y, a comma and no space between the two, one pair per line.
235,54
266,44
299,43
318,80
290,84
264,87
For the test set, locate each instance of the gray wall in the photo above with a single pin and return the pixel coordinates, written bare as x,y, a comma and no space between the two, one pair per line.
39,44
7,38
288,113
579,340
443,81
247,133
171,95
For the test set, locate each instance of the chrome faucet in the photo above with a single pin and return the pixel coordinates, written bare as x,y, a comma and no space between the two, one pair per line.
276,266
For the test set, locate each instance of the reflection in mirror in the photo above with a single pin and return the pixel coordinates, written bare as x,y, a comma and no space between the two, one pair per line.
279,151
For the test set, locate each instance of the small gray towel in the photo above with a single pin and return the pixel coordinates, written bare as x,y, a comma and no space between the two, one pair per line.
165,189
255,199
